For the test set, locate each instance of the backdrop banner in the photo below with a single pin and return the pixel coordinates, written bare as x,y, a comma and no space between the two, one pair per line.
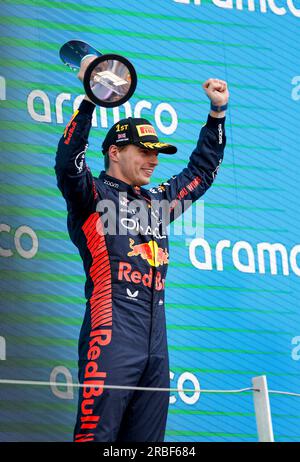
233,287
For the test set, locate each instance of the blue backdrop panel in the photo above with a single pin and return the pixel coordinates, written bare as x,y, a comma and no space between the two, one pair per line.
227,322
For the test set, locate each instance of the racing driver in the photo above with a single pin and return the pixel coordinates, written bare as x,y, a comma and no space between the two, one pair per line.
123,335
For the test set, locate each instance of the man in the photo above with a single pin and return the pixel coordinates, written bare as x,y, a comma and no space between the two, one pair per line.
123,335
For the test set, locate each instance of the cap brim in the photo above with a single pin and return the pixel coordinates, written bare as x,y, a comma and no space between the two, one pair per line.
164,148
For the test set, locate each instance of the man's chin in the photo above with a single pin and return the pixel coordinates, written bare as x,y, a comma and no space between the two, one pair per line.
144,181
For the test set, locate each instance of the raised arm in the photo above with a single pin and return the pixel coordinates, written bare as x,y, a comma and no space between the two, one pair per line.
74,178
206,158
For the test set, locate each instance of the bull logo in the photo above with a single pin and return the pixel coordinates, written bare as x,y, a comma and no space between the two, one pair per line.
150,251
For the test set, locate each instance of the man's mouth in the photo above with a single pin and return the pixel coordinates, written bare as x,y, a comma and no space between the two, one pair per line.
148,171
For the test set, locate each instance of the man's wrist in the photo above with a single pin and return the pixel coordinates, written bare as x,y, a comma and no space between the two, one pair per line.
86,98
217,115
87,106
218,111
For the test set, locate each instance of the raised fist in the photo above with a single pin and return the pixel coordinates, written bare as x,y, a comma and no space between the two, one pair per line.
216,91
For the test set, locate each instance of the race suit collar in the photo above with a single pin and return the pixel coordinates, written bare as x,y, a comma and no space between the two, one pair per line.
120,185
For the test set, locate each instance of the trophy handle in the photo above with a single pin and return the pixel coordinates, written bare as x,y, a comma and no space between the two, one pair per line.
72,52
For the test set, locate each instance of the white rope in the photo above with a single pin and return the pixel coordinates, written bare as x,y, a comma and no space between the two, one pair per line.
124,387
241,390
284,393
116,387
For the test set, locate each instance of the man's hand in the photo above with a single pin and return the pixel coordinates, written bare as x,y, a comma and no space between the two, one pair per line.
83,67
218,94
85,62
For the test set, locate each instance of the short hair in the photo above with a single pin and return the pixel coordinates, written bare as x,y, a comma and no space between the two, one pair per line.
107,159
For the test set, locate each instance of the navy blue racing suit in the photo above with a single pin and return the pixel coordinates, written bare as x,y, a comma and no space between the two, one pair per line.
123,336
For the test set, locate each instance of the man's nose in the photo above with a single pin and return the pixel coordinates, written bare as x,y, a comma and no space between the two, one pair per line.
153,159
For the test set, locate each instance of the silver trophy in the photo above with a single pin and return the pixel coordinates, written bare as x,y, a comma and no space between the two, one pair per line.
109,81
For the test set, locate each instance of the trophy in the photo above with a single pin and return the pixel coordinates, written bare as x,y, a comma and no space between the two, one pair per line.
109,80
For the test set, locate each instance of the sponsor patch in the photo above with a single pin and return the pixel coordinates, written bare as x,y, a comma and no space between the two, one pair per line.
70,132
111,184
132,295
145,130
220,132
149,251
150,279
69,123
79,161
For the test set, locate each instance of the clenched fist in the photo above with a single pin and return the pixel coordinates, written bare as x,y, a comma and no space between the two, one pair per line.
216,91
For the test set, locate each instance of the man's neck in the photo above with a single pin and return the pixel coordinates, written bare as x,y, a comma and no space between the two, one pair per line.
118,176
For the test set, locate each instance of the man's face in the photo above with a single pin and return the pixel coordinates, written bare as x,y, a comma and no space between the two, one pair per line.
137,164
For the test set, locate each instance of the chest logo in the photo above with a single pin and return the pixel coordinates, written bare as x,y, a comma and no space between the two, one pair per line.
150,251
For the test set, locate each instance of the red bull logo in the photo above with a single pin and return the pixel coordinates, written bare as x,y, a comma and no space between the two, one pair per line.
70,128
129,274
155,256
94,382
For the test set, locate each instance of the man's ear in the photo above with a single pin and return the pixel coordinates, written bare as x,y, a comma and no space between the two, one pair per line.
113,153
